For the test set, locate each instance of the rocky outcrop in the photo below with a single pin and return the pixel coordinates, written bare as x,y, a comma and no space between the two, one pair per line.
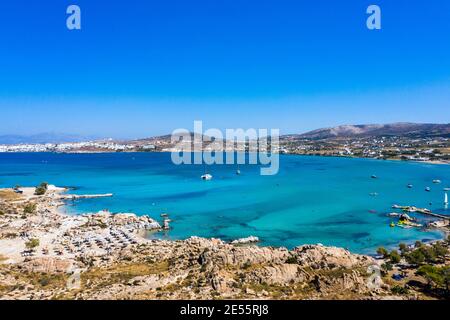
128,220
318,256
199,268
225,254
278,274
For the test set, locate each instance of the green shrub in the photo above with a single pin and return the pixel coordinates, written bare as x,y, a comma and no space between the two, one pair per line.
440,250
41,189
32,243
394,257
291,260
415,257
44,185
399,290
403,248
386,267
382,251
29,208
437,277
427,254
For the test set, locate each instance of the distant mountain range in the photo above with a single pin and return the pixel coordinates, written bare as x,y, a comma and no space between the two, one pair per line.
376,130
401,129
44,138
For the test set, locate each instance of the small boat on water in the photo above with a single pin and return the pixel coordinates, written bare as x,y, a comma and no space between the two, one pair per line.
437,181
374,176
393,214
392,225
206,176
446,189
373,194
427,189
445,198
409,186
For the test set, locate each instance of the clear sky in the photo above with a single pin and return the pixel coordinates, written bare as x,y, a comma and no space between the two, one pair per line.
143,68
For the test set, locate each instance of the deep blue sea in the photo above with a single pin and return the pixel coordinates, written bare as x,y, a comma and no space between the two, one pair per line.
312,199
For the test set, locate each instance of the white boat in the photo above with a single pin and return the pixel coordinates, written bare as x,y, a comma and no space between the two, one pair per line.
206,176
393,214
445,198
437,181
409,186
428,189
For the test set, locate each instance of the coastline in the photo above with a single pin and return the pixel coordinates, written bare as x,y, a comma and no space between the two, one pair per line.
94,247
434,162
58,198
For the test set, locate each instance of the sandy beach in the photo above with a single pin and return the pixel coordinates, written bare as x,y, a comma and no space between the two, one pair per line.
62,235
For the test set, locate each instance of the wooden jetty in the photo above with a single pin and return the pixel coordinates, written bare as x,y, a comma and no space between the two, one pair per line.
421,210
85,196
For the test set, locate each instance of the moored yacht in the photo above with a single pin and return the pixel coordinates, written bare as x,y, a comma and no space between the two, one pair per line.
206,176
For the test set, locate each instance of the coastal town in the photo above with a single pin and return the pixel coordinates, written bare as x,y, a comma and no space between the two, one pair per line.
392,148
46,254
435,149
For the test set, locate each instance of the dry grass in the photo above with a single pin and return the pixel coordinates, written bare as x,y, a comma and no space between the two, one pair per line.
2,258
9,195
40,281
121,273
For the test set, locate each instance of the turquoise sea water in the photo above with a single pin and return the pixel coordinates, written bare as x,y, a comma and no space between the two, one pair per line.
311,200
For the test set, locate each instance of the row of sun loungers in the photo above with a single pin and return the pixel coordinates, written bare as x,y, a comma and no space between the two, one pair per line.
89,242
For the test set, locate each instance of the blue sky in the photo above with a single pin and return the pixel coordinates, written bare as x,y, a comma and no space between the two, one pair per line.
142,68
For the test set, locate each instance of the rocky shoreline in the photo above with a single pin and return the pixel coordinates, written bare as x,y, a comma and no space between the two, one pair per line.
47,255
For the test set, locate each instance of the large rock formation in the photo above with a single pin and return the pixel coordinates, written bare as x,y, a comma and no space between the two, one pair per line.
129,220
318,256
